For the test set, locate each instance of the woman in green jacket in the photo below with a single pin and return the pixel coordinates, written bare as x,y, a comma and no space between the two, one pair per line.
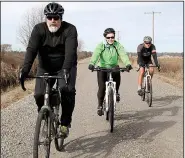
106,54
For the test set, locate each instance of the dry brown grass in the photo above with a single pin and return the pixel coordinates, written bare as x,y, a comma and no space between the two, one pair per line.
10,88
171,69
14,94
11,63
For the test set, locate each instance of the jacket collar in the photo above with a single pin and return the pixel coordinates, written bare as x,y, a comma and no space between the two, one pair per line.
107,45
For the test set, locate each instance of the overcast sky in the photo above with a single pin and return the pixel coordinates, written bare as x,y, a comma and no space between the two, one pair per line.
92,18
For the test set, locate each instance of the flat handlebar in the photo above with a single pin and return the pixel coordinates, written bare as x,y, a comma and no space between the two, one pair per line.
147,66
110,69
45,77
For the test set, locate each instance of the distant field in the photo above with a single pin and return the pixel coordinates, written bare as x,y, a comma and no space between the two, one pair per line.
171,68
10,64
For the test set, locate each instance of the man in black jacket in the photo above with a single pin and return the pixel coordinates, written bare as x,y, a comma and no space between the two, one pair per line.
55,42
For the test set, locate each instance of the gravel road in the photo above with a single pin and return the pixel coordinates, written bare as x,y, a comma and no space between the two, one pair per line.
140,131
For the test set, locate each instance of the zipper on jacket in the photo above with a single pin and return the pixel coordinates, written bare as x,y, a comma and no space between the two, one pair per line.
53,38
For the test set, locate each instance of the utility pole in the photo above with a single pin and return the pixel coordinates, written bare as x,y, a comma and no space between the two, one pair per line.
118,36
153,13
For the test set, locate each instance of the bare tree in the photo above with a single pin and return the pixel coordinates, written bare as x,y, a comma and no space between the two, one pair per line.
6,48
31,18
80,45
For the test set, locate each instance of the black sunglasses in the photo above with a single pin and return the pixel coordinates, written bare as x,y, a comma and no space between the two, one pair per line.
53,17
110,37
147,42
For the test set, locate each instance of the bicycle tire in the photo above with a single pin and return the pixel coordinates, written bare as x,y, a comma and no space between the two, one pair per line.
107,116
106,112
59,141
149,94
42,115
111,109
143,87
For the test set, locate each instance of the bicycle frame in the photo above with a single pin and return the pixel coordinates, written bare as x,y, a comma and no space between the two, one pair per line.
47,105
146,76
46,96
110,84
49,110
47,78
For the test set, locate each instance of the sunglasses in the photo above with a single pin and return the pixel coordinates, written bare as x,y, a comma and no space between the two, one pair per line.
53,17
147,42
110,37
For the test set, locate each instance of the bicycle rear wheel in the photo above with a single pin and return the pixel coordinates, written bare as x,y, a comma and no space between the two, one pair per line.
149,92
59,140
44,130
111,109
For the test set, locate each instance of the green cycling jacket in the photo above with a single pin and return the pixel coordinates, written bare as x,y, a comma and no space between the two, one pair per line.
107,55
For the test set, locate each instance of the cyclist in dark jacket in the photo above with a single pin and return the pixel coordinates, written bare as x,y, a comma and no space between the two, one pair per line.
144,52
55,42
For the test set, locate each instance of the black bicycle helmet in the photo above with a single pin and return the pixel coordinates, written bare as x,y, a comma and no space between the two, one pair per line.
54,8
108,30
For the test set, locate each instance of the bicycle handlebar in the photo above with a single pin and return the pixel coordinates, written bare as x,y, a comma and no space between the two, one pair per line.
110,69
147,66
45,77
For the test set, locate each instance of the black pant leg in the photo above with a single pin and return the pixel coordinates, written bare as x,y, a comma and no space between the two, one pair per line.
68,97
117,78
101,77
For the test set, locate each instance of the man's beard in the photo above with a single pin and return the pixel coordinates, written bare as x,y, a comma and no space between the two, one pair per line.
53,28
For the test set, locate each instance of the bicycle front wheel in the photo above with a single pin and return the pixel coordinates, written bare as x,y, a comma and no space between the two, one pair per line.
143,89
42,136
149,92
111,109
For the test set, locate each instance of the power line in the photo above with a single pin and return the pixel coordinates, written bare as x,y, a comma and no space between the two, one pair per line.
153,14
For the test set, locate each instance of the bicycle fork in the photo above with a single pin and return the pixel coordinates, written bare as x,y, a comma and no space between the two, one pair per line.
146,81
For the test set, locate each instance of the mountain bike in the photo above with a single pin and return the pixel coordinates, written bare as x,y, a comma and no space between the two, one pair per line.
109,105
48,120
146,85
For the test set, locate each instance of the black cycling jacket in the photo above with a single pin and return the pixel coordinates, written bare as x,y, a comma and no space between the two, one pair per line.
55,50
144,54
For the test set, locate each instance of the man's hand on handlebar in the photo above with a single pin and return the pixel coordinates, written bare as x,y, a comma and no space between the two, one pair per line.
22,76
66,75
